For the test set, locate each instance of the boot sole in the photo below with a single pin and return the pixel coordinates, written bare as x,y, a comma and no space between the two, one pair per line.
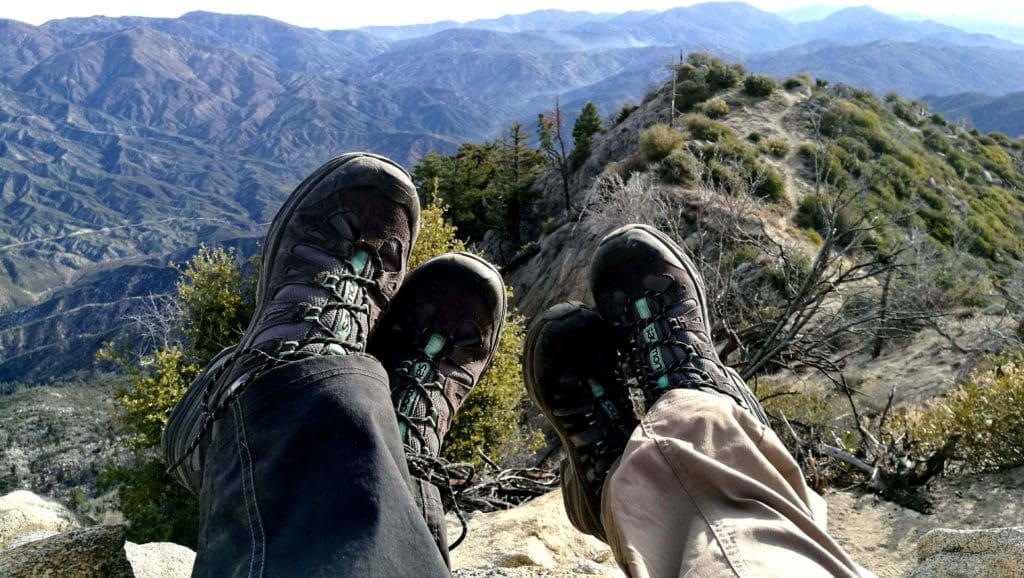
556,313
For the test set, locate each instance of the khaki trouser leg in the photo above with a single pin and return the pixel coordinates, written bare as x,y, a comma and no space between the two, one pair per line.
703,489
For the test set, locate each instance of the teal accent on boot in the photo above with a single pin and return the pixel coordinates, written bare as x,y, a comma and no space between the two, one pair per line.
651,333
420,371
405,408
643,308
344,325
596,388
655,361
359,260
434,345
663,382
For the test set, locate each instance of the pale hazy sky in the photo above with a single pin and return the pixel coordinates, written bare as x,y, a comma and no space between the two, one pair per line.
349,14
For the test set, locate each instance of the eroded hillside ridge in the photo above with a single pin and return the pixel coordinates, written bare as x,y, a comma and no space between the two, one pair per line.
746,192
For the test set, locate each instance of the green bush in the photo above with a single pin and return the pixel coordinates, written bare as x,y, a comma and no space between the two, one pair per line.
813,213
759,85
802,79
936,141
828,163
679,168
986,411
624,112
777,147
702,77
703,128
657,141
848,118
713,108
734,166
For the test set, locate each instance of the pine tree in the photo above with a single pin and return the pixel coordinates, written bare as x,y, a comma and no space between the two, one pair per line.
518,167
588,123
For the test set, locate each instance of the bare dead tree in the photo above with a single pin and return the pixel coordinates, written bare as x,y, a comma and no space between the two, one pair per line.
157,321
550,132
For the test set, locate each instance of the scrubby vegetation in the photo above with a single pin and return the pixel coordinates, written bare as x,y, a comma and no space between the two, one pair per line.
703,76
985,413
713,108
951,184
759,85
658,141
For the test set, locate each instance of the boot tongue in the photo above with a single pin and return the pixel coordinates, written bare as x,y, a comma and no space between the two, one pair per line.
348,290
415,403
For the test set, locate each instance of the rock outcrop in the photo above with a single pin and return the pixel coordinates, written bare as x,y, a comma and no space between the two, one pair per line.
81,553
25,517
997,553
533,540
40,537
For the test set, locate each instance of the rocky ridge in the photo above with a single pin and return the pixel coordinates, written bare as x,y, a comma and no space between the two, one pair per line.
536,540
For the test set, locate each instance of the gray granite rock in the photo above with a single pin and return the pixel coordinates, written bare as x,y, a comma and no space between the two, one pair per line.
96,552
995,553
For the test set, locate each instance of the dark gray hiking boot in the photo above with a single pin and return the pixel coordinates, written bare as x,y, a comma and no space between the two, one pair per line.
654,298
334,256
570,372
436,341
185,423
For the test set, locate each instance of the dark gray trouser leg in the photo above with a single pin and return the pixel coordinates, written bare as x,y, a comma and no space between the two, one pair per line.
305,476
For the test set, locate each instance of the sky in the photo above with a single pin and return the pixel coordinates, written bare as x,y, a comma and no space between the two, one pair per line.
349,14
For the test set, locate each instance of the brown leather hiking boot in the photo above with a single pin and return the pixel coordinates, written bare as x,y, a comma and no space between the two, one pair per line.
651,294
436,341
570,371
334,256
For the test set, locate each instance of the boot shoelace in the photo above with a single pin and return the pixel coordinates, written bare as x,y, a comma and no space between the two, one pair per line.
347,295
422,462
603,421
646,353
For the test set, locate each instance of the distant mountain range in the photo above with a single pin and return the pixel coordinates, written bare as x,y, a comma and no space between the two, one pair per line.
988,113
125,142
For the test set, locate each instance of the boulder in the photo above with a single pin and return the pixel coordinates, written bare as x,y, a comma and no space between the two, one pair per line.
25,517
997,553
534,540
83,553
160,560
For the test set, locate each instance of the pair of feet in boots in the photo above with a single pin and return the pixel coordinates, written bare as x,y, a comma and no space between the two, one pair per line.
333,282
595,373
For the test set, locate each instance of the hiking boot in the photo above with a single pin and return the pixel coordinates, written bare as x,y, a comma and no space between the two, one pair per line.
653,297
436,341
185,423
570,372
334,256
